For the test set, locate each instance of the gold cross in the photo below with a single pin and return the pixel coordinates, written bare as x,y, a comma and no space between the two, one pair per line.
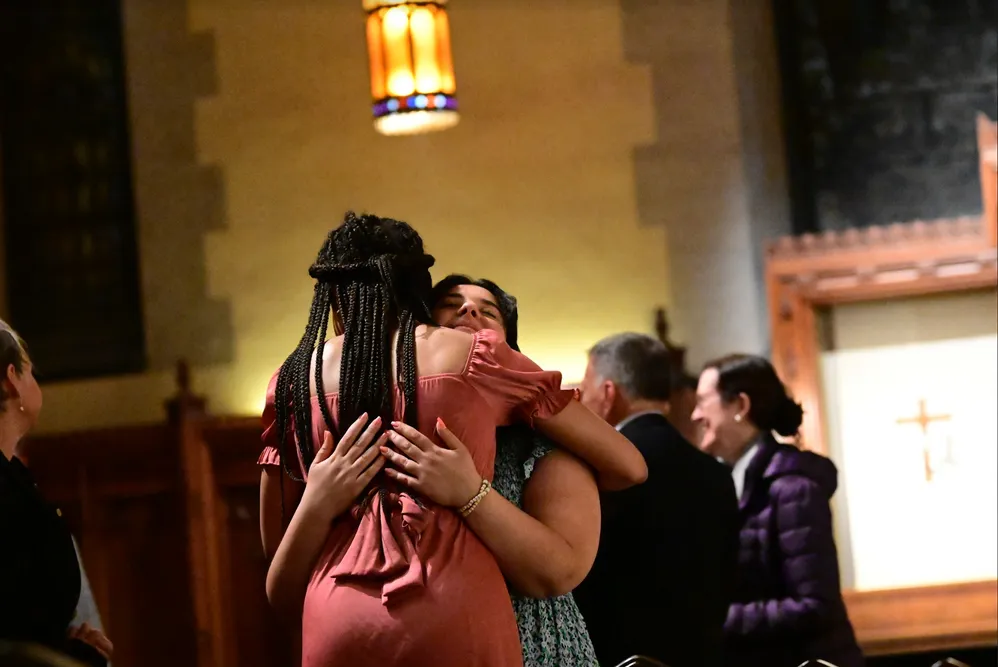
923,419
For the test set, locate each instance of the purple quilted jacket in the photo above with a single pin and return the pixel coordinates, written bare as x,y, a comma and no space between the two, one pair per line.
788,605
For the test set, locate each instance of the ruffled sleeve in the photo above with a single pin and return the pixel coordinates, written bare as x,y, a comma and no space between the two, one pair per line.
515,387
271,455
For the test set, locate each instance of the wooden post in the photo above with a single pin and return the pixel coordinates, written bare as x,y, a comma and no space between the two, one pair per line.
207,543
795,355
987,147
682,399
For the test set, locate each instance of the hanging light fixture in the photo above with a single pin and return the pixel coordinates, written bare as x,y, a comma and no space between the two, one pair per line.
412,74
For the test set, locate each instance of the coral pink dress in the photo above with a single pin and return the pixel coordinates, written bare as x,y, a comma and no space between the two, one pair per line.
402,583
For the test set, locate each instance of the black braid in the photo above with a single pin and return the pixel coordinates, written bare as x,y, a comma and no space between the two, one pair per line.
406,363
285,382
374,273
320,389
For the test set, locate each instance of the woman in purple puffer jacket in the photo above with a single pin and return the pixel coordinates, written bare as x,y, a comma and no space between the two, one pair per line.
787,606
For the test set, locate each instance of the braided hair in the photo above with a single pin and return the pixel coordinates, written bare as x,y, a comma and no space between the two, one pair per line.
373,274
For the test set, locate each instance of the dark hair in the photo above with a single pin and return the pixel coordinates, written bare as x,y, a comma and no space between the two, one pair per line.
638,363
505,301
770,407
374,274
12,352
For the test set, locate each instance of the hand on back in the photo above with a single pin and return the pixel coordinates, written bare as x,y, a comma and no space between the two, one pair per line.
445,474
339,473
92,637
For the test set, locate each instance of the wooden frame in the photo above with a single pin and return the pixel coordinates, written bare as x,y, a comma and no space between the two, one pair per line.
806,273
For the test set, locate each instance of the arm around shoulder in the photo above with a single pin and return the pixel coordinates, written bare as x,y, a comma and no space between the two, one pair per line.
618,463
517,387
556,532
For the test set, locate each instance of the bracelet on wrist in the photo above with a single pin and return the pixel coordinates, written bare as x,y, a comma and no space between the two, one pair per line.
470,506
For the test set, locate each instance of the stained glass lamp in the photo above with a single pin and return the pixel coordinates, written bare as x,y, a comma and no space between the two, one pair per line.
412,73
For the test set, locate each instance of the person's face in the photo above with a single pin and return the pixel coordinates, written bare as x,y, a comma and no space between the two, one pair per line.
24,392
719,422
469,308
596,393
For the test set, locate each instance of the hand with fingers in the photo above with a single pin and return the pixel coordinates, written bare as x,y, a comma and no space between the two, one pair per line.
339,473
446,474
92,637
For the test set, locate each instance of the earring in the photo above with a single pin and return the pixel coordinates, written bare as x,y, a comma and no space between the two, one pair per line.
21,407
738,418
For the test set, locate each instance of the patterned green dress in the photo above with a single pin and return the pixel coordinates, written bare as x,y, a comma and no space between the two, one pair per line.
552,631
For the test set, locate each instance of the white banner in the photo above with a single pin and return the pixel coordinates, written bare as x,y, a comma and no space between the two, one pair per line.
914,431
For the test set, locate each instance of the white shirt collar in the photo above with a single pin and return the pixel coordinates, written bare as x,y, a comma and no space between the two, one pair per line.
628,419
741,466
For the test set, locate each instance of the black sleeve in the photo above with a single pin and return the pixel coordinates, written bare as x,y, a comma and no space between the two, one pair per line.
14,624
39,572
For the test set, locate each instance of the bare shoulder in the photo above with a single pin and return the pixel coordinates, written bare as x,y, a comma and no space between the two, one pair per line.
441,350
331,351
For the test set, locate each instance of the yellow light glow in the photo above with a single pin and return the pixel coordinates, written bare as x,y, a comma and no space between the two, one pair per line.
447,83
395,27
414,122
424,50
375,51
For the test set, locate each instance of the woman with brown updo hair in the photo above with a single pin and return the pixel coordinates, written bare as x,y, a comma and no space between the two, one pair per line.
788,605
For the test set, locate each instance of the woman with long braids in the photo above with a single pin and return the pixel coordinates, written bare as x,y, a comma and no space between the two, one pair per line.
379,575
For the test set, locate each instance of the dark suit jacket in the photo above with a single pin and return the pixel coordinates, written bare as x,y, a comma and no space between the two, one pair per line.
665,570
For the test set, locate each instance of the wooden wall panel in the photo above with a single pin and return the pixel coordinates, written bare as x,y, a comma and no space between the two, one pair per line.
149,611
264,639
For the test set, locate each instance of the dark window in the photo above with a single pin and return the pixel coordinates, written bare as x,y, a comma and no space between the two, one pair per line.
71,256
880,100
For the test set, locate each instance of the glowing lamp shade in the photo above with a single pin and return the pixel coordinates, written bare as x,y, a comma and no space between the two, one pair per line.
412,74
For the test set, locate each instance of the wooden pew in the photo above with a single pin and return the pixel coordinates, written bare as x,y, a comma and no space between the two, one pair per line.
167,519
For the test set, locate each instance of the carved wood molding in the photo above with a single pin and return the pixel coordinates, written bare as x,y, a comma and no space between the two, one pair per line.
909,259
990,157
789,252
925,619
987,147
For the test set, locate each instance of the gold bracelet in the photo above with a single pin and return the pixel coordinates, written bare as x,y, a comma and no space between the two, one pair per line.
477,501
467,506
472,504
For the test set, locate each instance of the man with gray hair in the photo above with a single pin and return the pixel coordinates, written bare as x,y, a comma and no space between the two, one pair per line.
664,572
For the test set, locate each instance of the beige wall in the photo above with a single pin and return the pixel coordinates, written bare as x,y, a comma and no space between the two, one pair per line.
715,176
921,319
252,136
590,131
